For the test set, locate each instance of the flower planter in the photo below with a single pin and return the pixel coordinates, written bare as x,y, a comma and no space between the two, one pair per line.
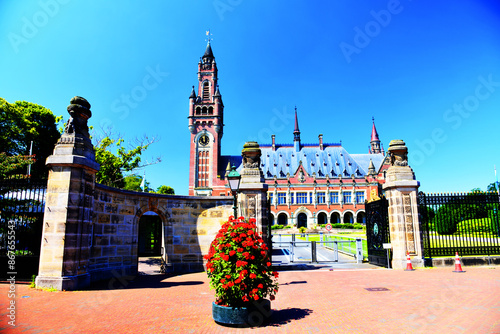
255,314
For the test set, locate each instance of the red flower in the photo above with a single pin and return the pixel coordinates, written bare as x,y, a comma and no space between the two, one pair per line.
232,252
260,286
256,297
275,274
228,276
240,250
252,275
269,264
250,232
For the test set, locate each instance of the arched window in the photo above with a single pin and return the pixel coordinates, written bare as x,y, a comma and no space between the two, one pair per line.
348,219
204,111
335,218
282,219
361,218
206,90
210,110
302,220
322,218
198,111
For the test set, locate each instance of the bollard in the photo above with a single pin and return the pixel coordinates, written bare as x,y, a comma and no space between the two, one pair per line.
313,252
359,251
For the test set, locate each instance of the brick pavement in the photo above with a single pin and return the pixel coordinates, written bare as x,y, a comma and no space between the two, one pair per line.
314,301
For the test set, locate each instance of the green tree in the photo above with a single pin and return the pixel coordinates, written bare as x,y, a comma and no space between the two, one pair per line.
492,187
133,182
165,190
12,163
22,123
115,165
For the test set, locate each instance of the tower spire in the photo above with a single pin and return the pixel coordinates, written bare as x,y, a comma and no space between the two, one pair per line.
296,133
374,141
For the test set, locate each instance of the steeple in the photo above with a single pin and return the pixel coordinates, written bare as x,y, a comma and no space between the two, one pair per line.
374,131
374,141
296,133
208,53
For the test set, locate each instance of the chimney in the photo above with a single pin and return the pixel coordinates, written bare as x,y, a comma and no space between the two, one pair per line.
320,142
273,137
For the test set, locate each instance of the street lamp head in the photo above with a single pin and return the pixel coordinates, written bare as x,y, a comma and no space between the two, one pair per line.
234,179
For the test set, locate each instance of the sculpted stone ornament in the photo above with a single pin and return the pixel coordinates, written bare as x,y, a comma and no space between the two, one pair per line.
75,141
79,112
398,153
251,172
251,155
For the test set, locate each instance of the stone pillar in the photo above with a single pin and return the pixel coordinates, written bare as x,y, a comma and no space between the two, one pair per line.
252,198
401,191
67,224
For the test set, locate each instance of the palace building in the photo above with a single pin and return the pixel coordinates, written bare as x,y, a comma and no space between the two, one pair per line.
307,183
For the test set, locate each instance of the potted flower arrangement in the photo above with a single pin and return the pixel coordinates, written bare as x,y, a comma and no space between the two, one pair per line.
240,272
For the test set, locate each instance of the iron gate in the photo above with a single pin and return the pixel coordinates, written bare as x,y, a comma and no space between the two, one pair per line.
377,231
22,203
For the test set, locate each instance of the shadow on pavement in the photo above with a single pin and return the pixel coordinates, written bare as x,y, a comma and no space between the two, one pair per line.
139,282
283,317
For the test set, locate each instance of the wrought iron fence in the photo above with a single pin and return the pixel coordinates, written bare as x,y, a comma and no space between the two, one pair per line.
21,215
464,223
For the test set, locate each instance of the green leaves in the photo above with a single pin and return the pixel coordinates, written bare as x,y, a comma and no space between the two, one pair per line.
24,122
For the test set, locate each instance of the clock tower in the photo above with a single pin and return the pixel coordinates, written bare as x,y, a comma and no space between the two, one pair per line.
206,116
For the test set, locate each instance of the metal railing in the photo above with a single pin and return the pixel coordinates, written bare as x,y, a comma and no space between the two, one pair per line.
463,223
333,247
21,215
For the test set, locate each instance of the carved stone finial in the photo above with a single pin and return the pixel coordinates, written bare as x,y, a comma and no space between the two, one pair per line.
79,112
251,172
398,153
251,154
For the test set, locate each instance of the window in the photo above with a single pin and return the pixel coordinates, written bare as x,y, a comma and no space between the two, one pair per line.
291,198
206,92
301,198
271,197
281,198
347,197
334,198
310,198
360,196
321,198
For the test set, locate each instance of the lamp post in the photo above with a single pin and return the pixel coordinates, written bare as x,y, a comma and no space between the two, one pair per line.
234,179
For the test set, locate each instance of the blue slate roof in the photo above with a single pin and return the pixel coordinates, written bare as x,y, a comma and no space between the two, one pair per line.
333,161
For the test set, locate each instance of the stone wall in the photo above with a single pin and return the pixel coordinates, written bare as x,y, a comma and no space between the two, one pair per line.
189,226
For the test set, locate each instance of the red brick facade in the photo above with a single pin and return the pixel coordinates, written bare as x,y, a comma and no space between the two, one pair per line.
308,184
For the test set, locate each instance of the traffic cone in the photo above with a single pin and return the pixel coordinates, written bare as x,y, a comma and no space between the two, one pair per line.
458,265
408,263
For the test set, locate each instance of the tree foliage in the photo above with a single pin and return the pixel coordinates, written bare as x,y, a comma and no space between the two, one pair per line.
22,123
449,216
9,164
165,190
116,160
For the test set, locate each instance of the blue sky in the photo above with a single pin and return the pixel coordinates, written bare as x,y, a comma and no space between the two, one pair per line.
428,72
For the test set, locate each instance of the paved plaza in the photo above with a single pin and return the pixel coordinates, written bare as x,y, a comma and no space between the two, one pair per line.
313,301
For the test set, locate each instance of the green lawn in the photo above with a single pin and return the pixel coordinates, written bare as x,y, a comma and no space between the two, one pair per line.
345,247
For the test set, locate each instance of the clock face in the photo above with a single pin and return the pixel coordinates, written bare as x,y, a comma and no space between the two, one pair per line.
203,140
